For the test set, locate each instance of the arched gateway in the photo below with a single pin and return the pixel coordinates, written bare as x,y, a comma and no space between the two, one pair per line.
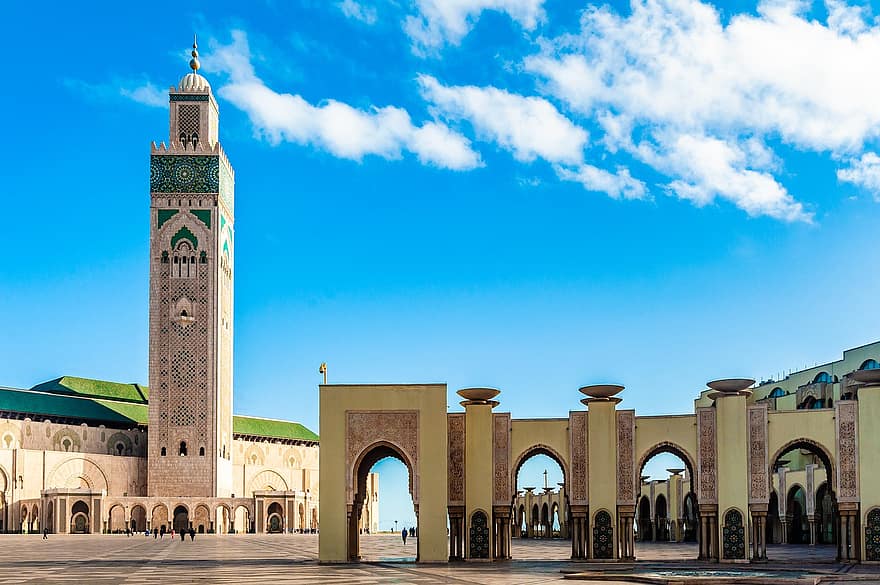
463,465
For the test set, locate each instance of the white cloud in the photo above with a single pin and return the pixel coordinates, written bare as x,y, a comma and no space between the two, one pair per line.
619,185
144,93
357,11
673,70
340,129
448,21
864,172
529,127
147,94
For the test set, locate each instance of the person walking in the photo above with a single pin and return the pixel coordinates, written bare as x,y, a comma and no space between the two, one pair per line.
45,533
155,533
183,535
403,534
172,534
192,534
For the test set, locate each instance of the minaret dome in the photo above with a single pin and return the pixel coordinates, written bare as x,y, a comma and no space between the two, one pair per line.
193,81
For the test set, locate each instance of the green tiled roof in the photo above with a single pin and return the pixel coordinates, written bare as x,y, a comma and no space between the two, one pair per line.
267,427
54,405
112,403
71,385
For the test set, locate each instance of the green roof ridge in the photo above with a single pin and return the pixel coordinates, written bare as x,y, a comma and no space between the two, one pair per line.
92,388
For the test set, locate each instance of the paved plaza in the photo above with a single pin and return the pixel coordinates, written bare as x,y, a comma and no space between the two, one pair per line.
277,558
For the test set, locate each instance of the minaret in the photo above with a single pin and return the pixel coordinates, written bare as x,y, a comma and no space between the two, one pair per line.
191,270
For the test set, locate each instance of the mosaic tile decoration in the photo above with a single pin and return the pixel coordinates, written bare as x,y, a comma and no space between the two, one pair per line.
734,535
603,536
479,536
872,536
184,174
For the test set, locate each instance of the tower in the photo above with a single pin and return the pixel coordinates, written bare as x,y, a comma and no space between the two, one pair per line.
191,264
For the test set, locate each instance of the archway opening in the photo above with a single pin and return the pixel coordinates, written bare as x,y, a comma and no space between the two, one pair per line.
667,512
377,525
138,522
116,522
222,520
802,509
274,518
159,519
202,519
79,518
181,519
540,508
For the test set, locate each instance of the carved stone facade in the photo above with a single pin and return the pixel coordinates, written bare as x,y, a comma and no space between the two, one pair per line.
501,458
626,437
706,456
455,436
847,451
579,458
759,481
400,429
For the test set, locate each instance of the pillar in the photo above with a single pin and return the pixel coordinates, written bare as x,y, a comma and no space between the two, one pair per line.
732,461
479,496
602,447
759,533
579,532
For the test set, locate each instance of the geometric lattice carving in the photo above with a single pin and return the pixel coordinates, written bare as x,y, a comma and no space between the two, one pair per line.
734,536
501,458
626,426
578,438
479,536
188,119
706,461
366,428
759,485
847,468
455,469
872,536
603,536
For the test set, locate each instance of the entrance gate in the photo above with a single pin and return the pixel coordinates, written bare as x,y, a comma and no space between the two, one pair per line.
463,467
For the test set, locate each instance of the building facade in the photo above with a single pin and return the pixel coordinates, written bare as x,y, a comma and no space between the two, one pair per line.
81,456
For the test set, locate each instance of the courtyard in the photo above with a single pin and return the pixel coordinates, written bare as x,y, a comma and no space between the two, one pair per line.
279,558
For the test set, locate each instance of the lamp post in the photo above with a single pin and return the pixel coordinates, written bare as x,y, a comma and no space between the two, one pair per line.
322,369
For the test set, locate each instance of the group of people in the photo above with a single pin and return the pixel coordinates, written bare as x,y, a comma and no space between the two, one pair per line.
160,533
407,532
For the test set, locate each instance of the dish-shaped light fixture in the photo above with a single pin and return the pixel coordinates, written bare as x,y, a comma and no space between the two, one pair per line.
601,390
870,377
675,470
730,385
477,395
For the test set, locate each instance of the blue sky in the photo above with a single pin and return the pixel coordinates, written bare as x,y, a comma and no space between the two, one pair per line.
527,194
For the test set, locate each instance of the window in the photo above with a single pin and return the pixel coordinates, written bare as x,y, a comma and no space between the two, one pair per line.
162,453
120,448
776,393
164,257
203,257
870,365
201,451
182,450
824,377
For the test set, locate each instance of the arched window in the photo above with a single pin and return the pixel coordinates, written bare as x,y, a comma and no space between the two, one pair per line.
823,377
870,365
164,257
818,404
776,393
182,450
163,452
184,260
203,257
201,451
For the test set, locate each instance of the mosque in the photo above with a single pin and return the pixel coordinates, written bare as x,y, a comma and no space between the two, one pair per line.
787,460
82,456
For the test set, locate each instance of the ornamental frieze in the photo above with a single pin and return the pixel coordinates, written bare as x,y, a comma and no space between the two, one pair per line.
184,174
847,452
759,482
706,458
400,428
455,469
579,463
501,458
626,430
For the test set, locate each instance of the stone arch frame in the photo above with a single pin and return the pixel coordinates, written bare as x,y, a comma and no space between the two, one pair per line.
4,480
666,447
194,520
109,518
266,473
540,449
74,513
554,513
91,473
366,458
275,508
822,452
132,519
153,510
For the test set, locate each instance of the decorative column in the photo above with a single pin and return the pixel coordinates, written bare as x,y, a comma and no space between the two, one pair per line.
707,476
732,421
479,521
759,480
578,483
864,416
607,459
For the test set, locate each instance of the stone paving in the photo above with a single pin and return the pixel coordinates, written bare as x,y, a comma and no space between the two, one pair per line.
270,558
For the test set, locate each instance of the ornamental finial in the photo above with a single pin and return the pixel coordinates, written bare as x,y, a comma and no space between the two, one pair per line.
194,62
